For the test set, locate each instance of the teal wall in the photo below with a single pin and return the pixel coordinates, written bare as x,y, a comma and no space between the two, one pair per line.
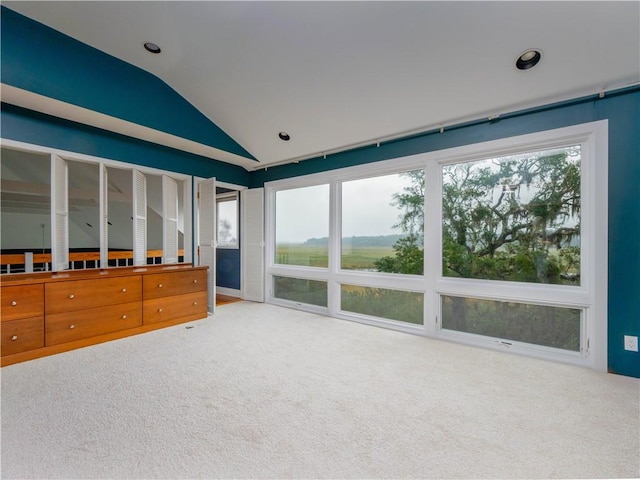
42,60
27,126
622,110
39,129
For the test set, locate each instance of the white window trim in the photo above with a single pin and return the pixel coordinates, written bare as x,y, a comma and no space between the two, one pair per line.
591,295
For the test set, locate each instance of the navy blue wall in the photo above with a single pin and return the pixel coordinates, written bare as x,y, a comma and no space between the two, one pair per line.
622,109
228,268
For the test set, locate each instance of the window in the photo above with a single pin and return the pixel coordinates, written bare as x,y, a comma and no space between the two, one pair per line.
227,207
312,251
544,325
514,218
384,303
312,292
498,244
302,226
383,223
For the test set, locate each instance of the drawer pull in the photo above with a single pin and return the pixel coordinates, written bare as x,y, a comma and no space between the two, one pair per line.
159,310
72,326
195,281
124,317
14,338
124,290
195,303
13,303
159,285
72,296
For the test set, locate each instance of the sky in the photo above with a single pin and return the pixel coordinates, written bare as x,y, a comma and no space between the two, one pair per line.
303,213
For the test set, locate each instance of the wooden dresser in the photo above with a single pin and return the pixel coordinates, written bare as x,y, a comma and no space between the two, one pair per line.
47,313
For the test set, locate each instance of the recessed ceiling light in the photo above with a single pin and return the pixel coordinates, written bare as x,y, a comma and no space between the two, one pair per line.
151,47
284,136
528,59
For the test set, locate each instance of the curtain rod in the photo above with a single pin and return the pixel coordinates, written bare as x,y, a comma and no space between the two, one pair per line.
426,131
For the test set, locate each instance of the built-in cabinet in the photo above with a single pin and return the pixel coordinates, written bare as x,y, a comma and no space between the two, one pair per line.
47,313
168,297
22,318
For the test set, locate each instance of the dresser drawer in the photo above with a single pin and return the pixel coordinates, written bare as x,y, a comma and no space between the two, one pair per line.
22,335
22,301
69,326
192,305
81,294
174,283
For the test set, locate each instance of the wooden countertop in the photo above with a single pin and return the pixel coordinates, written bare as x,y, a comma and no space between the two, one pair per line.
91,273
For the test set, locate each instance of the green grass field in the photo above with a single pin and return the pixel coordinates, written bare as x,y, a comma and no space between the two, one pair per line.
353,258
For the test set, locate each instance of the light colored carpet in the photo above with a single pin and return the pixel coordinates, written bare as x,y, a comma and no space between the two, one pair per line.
260,391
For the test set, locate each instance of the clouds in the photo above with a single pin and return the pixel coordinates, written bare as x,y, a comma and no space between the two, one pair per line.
366,205
303,213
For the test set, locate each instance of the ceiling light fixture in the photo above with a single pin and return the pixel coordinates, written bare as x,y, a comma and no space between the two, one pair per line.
528,59
284,136
151,47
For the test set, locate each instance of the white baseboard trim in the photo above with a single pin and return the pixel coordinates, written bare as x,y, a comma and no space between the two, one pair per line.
232,292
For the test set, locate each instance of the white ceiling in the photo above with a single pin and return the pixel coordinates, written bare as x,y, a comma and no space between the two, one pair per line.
340,74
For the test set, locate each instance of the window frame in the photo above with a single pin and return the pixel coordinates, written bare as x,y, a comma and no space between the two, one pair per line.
590,296
334,275
592,138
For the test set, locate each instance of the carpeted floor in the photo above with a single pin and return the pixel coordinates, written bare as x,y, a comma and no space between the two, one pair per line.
260,391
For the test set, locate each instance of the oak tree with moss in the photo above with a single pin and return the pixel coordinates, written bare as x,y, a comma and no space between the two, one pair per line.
516,218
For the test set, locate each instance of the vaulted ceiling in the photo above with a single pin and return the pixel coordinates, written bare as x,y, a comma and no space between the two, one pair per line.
335,75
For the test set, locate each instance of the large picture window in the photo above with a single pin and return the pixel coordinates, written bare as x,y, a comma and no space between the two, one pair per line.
514,218
302,226
498,244
383,223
